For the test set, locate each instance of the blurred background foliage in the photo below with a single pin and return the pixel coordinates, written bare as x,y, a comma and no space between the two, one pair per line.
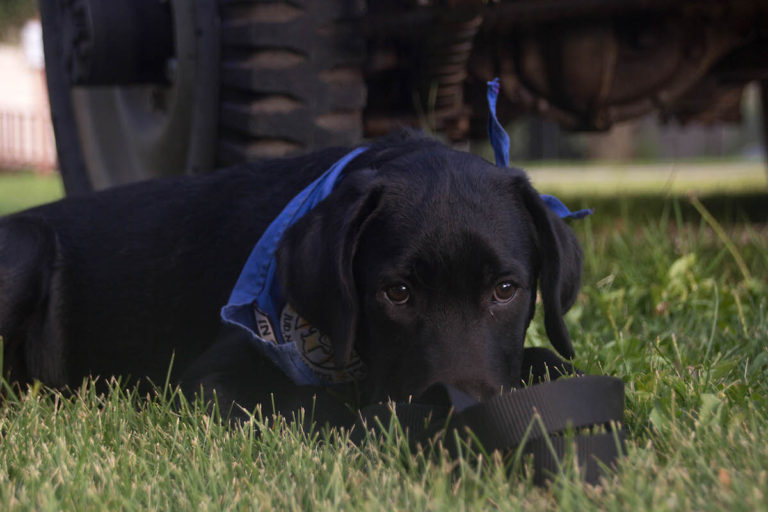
13,14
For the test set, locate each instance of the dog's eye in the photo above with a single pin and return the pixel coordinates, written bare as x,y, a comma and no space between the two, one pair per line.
398,293
504,291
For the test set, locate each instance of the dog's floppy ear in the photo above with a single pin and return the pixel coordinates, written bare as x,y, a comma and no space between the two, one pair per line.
560,274
314,260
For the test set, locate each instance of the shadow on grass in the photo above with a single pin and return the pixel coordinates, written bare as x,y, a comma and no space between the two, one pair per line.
726,208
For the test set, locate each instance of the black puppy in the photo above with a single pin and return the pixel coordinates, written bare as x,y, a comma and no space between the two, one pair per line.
423,261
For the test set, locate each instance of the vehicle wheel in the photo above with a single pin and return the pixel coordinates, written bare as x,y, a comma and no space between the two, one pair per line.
118,116
147,88
291,77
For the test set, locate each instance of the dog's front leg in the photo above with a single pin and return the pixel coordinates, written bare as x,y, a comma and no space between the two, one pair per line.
30,305
235,375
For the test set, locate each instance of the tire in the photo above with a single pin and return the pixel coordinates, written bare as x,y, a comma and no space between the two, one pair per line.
249,79
291,77
109,135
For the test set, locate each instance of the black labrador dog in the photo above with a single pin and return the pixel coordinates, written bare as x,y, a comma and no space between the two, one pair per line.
423,262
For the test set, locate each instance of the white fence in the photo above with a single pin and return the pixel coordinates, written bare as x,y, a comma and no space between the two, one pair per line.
26,140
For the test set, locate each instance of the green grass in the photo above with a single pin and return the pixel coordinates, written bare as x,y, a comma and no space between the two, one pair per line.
20,190
662,179
671,303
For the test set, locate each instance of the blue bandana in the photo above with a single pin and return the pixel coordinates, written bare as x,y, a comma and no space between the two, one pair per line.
257,304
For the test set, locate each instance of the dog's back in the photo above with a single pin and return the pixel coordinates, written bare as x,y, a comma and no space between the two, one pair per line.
117,282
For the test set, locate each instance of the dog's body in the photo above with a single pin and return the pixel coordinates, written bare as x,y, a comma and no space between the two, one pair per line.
423,260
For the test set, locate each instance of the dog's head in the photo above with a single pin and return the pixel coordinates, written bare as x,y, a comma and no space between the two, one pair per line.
428,266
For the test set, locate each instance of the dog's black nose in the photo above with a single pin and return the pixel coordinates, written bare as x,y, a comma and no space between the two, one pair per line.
479,389
446,395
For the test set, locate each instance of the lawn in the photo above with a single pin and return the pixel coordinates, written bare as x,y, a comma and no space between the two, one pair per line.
661,178
673,302
24,189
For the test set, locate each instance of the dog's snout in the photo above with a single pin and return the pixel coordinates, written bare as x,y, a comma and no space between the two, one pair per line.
478,389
